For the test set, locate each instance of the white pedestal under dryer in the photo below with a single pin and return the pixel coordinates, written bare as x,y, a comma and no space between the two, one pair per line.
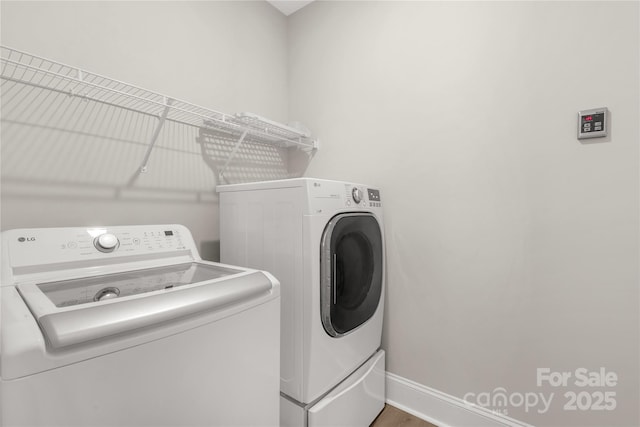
324,241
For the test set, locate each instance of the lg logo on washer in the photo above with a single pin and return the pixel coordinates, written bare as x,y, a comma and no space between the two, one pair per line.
26,239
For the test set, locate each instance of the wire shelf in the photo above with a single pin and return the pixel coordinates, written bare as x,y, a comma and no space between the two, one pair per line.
39,74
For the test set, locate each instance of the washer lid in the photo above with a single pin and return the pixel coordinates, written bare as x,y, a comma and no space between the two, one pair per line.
76,311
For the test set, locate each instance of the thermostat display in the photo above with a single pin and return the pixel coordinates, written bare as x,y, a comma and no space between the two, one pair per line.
593,123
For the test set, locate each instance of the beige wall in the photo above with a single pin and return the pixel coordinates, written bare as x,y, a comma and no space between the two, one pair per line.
227,56
511,245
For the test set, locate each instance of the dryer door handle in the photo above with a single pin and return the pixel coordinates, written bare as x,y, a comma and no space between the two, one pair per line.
334,282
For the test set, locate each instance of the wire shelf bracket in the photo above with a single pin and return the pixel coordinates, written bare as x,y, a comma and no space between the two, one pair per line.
221,177
156,133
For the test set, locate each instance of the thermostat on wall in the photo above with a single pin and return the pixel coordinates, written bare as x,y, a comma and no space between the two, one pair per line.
593,123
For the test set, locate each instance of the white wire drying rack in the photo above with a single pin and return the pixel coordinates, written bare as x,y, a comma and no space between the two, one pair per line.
245,128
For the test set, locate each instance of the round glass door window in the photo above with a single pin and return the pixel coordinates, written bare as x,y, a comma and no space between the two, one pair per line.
351,272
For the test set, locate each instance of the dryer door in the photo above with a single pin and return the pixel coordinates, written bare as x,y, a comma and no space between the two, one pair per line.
351,272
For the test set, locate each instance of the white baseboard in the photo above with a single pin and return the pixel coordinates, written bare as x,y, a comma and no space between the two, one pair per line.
440,408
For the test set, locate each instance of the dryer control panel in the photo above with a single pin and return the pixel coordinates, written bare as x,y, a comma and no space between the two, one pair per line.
374,197
360,196
327,196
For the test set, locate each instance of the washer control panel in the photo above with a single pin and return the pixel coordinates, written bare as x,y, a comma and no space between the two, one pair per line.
29,247
593,123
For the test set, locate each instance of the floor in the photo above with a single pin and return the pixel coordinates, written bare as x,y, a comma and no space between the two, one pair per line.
394,417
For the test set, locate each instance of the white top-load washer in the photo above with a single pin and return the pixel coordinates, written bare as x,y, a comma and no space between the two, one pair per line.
324,241
128,326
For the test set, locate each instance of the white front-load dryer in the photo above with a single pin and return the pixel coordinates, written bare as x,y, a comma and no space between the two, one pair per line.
324,241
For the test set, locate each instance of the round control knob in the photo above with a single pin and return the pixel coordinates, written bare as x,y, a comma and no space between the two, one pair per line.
107,293
357,195
106,242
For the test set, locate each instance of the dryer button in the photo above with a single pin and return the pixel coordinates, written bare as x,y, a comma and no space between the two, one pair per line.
357,195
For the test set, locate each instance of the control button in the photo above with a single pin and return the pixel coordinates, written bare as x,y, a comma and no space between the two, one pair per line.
72,245
348,202
598,123
357,195
106,242
598,128
136,241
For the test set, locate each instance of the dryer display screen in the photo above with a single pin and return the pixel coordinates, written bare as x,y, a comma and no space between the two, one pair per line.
374,195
